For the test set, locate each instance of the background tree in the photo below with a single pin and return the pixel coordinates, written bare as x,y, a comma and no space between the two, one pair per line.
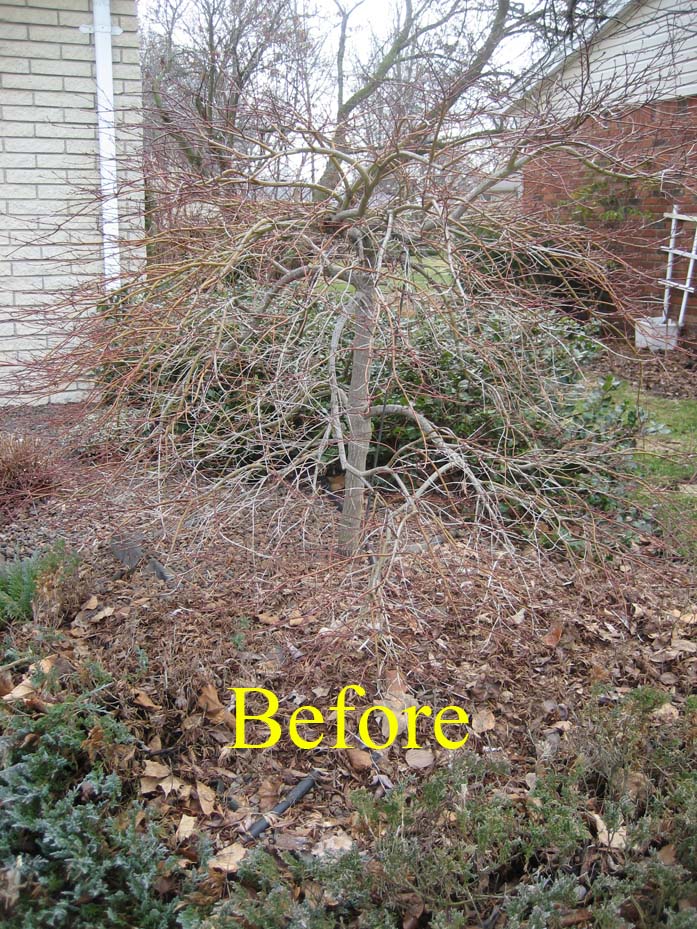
215,70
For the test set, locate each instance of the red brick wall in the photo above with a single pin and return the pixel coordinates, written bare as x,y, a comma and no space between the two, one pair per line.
657,144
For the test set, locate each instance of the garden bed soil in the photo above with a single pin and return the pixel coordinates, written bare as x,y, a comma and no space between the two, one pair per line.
522,640
665,374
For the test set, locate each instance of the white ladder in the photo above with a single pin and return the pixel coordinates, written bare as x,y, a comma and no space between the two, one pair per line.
669,283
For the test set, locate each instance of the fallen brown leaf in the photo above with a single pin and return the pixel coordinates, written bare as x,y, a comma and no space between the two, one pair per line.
397,699
637,786
209,701
20,692
206,798
156,769
483,721
577,918
43,666
10,885
173,783
186,827
553,636
666,713
412,906
142,699
419,758
228,859
269,792
617,839
333,844
668,855
359,759
148,785
102,614
268,619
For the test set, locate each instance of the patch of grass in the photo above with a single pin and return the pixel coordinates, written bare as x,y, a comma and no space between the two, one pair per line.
679,415
666,460
668,454
676,513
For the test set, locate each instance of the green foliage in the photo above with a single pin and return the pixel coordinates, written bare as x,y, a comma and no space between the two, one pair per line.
522,398
608,200
460,843
487,839
463,843
17,586
648,698
684,806
506,383
18,581
538,905
64,826
542,442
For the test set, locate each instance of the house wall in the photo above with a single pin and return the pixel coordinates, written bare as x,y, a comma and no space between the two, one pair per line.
650,133
646,51
49,181
626,218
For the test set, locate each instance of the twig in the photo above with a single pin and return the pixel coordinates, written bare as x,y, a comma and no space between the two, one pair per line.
160,752
15,664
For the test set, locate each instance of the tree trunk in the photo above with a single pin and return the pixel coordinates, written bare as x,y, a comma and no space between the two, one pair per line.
331,175
358,414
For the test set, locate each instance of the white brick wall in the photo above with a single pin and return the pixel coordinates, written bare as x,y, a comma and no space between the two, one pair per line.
49,214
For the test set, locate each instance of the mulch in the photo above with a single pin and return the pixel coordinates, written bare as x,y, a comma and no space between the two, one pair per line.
666,374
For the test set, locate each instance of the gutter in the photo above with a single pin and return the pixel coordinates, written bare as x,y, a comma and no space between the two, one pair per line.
106,136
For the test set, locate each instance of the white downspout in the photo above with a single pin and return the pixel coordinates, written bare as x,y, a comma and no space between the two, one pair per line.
106,135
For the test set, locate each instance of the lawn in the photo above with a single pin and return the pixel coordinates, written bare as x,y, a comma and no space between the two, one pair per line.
667,454
666,459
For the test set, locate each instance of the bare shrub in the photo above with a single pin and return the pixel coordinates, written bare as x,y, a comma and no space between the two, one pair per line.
27,473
